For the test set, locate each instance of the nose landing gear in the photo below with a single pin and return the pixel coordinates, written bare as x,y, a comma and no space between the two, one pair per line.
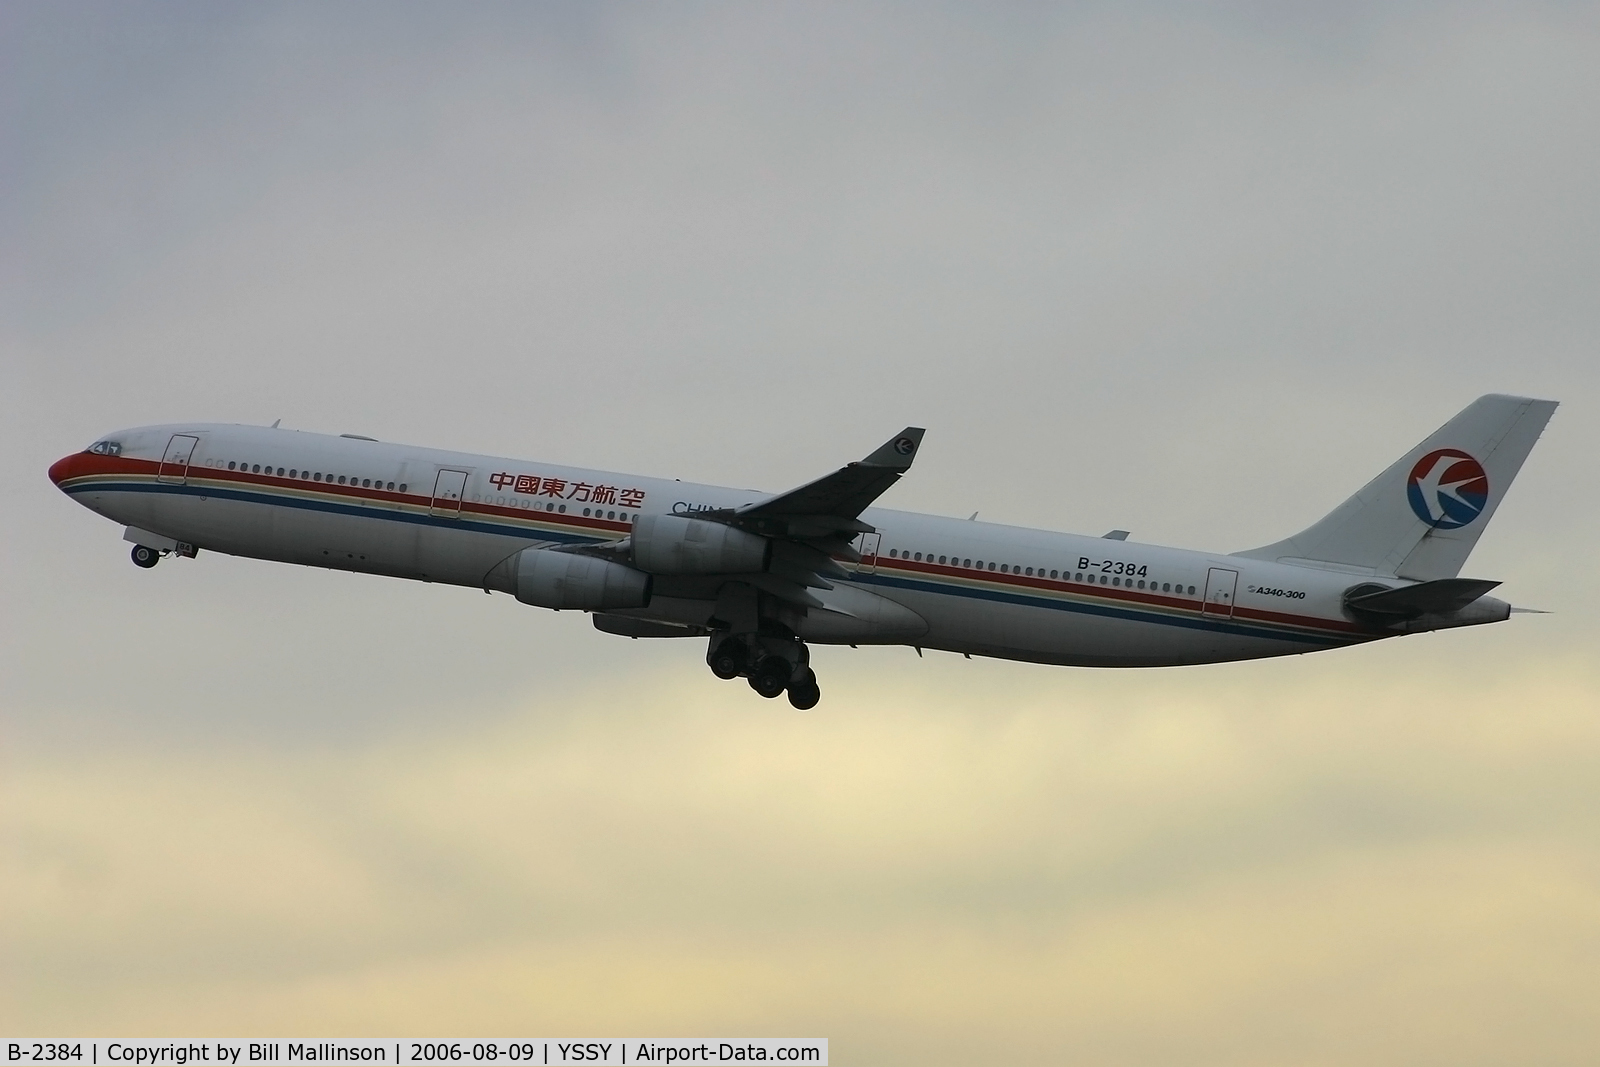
145,557
772,663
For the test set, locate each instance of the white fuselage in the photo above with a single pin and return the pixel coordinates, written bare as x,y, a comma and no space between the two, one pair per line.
982,588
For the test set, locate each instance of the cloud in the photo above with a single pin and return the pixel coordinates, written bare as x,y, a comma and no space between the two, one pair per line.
1131,867
1197,274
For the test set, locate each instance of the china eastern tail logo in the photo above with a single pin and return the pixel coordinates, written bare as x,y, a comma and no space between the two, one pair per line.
1447,489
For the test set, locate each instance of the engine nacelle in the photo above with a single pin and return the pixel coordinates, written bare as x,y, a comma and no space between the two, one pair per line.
673,544
565,580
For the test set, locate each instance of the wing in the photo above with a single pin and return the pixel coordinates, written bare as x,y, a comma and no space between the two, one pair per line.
832,504
811,527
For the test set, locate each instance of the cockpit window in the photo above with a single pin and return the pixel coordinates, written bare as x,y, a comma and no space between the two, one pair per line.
106,448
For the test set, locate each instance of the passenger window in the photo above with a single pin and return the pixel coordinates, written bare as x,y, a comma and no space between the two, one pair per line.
1116,581
1028,572
402,487
563,509
256,469
391,485
893,553
230,464
991,566
280,472
918,557
1052,574
1191,590
341,479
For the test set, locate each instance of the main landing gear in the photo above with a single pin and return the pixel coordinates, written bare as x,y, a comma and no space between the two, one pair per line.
773,663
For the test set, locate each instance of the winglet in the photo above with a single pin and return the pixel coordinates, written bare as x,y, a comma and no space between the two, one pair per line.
898,451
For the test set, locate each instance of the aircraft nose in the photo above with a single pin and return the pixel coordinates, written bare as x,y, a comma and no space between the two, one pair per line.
65,467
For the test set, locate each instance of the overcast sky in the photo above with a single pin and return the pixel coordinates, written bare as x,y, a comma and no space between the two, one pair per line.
1193,271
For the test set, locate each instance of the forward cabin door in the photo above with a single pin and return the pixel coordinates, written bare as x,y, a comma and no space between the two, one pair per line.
447,491
175,460
1221,584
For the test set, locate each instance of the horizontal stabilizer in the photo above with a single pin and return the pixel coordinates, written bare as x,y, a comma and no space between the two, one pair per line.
1428,598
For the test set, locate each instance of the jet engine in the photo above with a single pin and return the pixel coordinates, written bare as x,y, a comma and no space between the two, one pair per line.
565,580
673,544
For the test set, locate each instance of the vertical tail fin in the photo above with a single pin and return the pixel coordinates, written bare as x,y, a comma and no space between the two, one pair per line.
1421,517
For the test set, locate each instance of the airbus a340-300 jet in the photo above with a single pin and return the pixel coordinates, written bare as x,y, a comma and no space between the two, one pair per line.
763,575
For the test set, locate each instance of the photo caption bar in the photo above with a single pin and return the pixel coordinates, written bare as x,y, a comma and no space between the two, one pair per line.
410,1052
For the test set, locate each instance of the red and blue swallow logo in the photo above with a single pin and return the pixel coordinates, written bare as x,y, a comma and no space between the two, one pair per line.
1447,489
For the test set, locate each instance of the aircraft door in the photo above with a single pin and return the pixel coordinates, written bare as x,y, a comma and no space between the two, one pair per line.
175,460
448,489
867,544
1221,584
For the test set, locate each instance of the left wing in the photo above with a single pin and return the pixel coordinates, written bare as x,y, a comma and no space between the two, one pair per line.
832,505
809,526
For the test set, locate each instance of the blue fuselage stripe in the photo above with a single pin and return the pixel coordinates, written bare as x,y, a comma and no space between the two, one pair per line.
1077,606
362,511
1195,622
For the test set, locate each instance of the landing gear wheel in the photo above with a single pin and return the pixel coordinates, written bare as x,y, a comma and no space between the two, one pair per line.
771,677
728,660
145,557
803,691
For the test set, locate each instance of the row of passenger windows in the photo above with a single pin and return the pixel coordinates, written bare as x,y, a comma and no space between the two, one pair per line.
315,476
1065,576
518,502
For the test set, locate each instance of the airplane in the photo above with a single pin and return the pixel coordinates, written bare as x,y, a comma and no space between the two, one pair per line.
762,576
